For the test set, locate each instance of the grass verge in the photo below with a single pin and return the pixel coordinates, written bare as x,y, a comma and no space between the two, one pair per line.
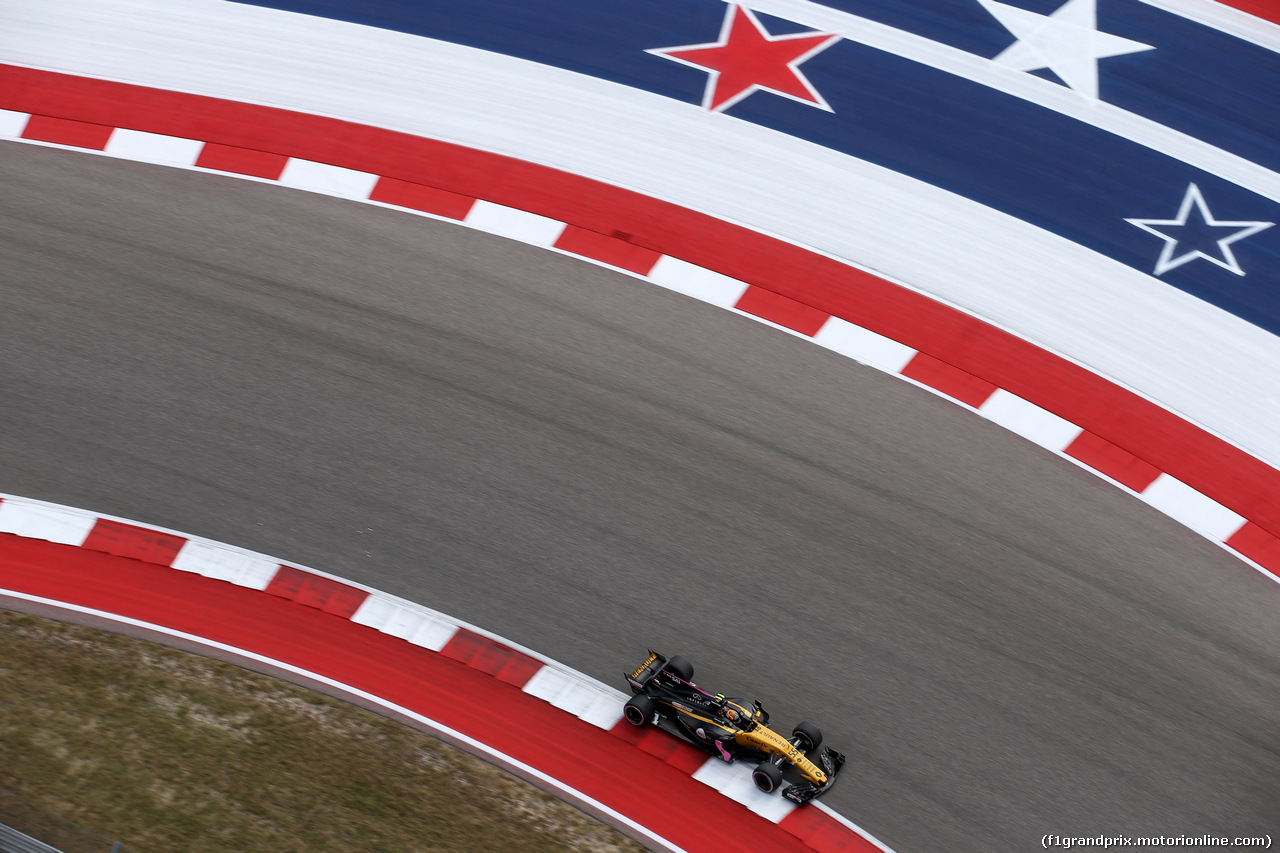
168,751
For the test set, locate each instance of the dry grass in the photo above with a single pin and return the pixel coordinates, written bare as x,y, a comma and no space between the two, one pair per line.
172,752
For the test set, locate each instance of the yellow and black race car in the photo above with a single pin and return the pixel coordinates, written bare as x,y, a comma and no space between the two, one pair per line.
730,729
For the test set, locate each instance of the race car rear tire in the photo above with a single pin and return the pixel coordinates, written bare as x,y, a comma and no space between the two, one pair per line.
767,777
639,710
810,736
680,667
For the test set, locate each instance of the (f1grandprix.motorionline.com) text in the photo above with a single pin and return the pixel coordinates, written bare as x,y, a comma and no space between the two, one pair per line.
1201,841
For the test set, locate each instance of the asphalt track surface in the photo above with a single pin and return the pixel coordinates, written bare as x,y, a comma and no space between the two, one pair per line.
1005,645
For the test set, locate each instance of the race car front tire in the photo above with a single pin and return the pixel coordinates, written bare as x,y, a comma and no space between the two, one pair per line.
639,710
810,736
767,777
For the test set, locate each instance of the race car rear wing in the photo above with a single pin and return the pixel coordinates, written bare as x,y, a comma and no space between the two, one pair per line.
642,674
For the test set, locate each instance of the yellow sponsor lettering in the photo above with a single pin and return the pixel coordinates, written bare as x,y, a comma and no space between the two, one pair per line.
641,667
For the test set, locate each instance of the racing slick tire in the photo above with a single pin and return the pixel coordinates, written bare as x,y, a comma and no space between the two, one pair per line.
680,667
639,710
810,736
767,777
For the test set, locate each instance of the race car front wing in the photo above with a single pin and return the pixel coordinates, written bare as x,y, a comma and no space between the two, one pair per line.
802,792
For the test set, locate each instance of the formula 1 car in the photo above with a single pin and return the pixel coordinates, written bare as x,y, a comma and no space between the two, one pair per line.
730,729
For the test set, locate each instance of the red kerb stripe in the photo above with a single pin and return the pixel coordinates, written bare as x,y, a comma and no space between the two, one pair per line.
824,833
952,381
613,250
661,745
127,540
316,591
418,197
502,662
1116,463
242,161
1258,545
63,131
1266,9
782,310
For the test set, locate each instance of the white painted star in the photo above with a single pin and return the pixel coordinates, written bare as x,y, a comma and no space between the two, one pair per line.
1066,42
1195,199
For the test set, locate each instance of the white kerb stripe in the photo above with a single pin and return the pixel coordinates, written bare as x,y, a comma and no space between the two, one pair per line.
516,224
12,124
1029,420
153,147
604,712
864,345
222,562
698,282
734,781
42,521
586,700
330,180
417,625
1198,511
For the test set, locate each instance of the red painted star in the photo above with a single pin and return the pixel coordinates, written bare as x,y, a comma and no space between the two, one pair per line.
748,58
